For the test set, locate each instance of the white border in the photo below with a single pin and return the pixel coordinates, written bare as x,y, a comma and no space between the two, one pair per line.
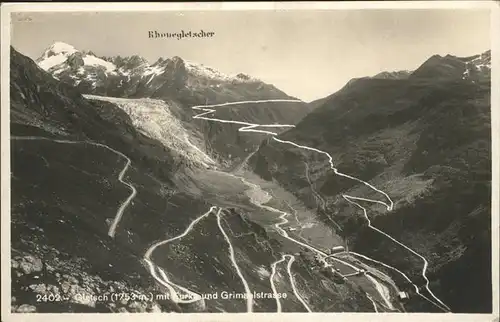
495,157
6,9
229,6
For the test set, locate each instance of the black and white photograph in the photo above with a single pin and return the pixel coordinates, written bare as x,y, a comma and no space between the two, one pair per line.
200,160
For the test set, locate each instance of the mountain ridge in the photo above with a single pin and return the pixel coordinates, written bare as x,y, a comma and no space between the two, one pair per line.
60,227
469,67
74,66
180,84
423,139
420,139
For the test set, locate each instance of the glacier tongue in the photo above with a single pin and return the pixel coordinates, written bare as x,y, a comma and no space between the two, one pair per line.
154,119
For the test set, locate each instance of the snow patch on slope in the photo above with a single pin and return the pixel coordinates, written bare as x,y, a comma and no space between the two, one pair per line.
90,60
201,70
52,61
478,63
155,70
55,55
205,71
60,47
154,119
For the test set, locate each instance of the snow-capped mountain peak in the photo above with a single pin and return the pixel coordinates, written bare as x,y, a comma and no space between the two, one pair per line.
61,56
55,55
58,48
127,75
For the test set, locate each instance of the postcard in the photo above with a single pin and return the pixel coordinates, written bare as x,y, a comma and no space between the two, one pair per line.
264,161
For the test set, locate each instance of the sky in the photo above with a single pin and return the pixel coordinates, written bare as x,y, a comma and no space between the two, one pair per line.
307,54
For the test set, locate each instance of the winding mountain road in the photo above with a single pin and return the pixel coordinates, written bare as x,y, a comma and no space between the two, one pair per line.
417,290
373,302
261,203
126,202
291,259
273,286
292,282
190,296
249,295
164,280
424,269
382,290
389,204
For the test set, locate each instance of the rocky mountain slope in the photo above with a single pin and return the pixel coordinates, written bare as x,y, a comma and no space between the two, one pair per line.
94,193
180,84
402,74
61,255
475,68
424,139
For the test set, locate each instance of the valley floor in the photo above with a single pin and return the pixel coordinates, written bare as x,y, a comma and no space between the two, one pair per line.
263,239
